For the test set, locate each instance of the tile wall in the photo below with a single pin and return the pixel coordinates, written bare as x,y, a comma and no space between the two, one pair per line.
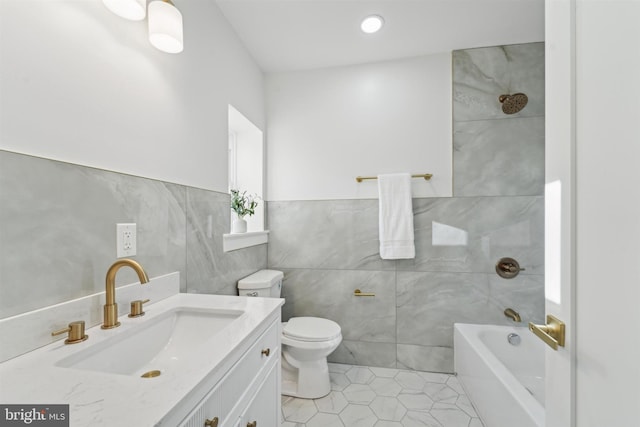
58,233
327,249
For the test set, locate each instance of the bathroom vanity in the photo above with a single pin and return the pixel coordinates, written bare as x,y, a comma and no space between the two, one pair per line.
191,360
249,393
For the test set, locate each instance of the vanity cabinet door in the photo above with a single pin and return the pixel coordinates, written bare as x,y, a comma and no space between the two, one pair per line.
231,395
263,411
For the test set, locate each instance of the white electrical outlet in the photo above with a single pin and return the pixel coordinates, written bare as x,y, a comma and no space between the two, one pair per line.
125,240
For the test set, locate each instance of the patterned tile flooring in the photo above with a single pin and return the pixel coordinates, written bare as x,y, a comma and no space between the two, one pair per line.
380,397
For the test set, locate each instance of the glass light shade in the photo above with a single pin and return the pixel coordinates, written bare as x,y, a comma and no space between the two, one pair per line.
134,10
165,27
371,24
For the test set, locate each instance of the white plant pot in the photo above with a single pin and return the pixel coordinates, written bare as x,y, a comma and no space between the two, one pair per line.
239,225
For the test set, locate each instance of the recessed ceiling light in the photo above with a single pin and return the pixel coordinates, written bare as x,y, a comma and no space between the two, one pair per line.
372,24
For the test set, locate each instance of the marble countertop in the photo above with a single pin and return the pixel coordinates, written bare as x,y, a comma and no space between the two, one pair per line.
102,399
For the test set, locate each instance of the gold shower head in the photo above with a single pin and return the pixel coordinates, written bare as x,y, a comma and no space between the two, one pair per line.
512,104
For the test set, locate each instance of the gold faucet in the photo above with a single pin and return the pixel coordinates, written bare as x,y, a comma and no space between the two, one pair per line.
110,307
513,315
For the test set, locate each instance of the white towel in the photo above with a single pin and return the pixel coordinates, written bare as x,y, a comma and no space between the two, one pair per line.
396,216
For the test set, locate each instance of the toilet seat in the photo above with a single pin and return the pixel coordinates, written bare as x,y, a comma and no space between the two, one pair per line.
311,329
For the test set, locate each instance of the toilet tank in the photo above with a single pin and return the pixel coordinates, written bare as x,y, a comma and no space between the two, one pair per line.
263,283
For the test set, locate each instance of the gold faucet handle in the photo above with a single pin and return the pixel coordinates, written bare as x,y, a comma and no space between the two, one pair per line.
136,308
76,332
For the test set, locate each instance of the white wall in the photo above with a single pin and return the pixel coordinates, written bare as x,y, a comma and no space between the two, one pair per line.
82,85
608,213
327,126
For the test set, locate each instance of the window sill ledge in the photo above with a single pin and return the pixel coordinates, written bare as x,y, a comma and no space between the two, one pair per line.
232,242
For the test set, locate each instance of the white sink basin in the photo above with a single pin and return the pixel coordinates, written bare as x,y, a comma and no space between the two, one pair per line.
161,343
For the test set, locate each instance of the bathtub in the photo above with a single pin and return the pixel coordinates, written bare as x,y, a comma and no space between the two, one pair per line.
505,382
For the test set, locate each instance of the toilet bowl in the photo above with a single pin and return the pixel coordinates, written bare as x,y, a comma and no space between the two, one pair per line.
306,341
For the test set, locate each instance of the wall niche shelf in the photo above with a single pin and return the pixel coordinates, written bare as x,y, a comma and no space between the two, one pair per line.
232,242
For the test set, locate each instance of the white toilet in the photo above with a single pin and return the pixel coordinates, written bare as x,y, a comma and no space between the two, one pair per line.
306,341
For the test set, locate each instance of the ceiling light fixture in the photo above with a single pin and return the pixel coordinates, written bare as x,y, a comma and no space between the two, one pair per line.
165,26
165,21
372,24
133,10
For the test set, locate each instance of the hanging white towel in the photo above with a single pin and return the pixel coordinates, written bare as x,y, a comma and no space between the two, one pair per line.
396,216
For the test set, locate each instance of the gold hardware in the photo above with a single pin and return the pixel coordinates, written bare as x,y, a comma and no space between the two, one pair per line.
359,293
426,176
211,423
508,268
252,424
151,374
266,352
514,315
76,332
136,308
110,307
552,333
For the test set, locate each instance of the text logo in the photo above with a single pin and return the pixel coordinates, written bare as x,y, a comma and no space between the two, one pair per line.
34,415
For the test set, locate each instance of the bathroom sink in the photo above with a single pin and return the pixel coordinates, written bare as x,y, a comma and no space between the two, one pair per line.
156,346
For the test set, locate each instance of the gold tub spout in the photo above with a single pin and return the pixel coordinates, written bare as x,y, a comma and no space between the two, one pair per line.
110,307
512,314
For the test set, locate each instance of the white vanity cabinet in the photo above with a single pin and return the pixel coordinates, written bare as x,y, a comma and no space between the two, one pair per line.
264,410
249,392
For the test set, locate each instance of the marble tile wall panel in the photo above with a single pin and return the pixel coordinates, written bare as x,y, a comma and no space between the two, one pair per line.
524,293
365,354
425,358
329,294
499,157
428,304
209,269
60,220
336,234
481,75
470,234
434,290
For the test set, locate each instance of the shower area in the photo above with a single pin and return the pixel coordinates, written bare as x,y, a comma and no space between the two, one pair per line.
497,210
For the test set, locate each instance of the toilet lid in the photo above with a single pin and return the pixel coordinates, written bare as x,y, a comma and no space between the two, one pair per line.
311,329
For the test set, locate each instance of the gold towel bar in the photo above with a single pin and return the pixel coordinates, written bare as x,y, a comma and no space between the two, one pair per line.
359,293
426,176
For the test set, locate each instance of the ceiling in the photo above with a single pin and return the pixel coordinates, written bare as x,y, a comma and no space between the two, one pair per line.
285,35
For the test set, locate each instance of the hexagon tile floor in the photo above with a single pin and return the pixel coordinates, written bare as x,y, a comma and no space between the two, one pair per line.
380,397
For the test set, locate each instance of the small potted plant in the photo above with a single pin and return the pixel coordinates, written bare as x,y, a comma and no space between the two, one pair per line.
242,204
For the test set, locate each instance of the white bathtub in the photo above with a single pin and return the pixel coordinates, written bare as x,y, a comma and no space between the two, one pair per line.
505,382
